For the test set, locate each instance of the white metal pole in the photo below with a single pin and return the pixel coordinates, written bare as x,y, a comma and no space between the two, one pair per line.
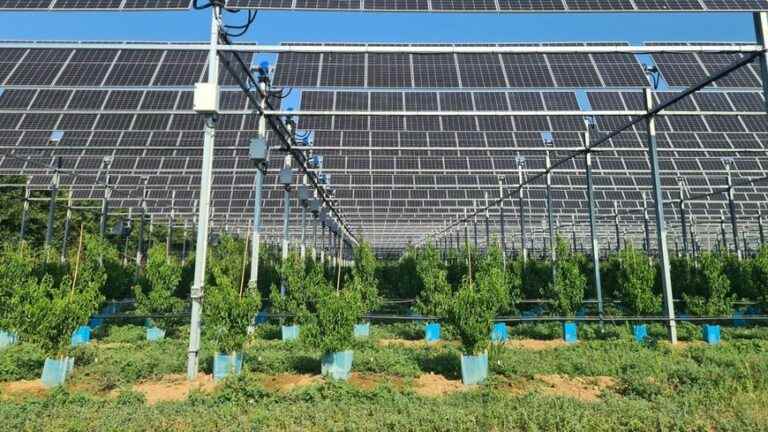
201,250
253,279
661,229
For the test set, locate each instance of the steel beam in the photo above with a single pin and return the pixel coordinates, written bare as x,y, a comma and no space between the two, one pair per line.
67,221
732,209
52,207
550,220
683,218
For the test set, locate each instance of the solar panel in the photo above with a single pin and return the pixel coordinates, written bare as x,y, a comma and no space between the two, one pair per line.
94,4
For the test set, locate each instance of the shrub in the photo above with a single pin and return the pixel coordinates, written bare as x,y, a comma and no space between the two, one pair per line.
711,288
435,296
163,273
471,313
303,284
331,329
760,275
46,312
633,277
740,274
492,277
229,306
364,277
568,289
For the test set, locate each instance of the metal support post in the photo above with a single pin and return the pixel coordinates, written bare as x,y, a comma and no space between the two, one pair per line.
52,207
503,234
105,199
646,228
286,219
67,221
573,233
474,225
201,248
184,244
760,227
593,223
143,204
322,242
732,208
683,217
314,238
550,219
487,224
466,232
523,243
253,277
25,211
661,229
616,225
723,241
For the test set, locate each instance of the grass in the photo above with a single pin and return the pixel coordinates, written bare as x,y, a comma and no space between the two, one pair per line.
694,387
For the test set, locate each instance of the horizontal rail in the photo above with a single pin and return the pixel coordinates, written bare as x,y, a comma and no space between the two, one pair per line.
398,49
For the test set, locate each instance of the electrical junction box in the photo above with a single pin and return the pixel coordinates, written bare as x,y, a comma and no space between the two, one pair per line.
286,176
206,98
304,194
257,149
314,205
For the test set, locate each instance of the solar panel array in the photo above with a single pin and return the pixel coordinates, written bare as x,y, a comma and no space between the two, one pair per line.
395,178
408,5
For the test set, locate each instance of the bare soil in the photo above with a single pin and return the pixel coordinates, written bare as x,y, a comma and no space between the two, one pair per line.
535,344
421,343
372,381
23,388
587,389
173,387
433,385
289,382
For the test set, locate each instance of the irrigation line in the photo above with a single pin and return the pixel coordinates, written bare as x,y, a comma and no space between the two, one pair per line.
605,138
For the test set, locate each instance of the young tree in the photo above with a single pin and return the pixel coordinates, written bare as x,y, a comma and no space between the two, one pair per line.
435,297
471,312
568,289
491,277
330,329
163,273
711,288
363,278
760,275
633,277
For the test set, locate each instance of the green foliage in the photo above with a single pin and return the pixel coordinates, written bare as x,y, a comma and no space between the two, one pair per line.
741,274
119,278
632,276
163,274
364,277
568,290
304,282
45,311
22,361
435,296
331,328
471,313
760,275
711,288
404,280
491,277
229,306
532,277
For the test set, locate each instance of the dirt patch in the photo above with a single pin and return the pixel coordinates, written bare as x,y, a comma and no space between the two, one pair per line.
173,387
518,386
22,388
372,381
288,382
436,385
535,344
586,389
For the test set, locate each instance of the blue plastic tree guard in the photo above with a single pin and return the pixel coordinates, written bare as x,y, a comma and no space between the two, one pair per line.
155,334
474,369
432,332
55,372
738,319
81,336
711,334
640,331
362,330
225,365
336,365
290,333
570,332
261,317
499,333
6,339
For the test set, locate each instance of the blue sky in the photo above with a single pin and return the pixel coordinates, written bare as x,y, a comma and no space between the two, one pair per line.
274,27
